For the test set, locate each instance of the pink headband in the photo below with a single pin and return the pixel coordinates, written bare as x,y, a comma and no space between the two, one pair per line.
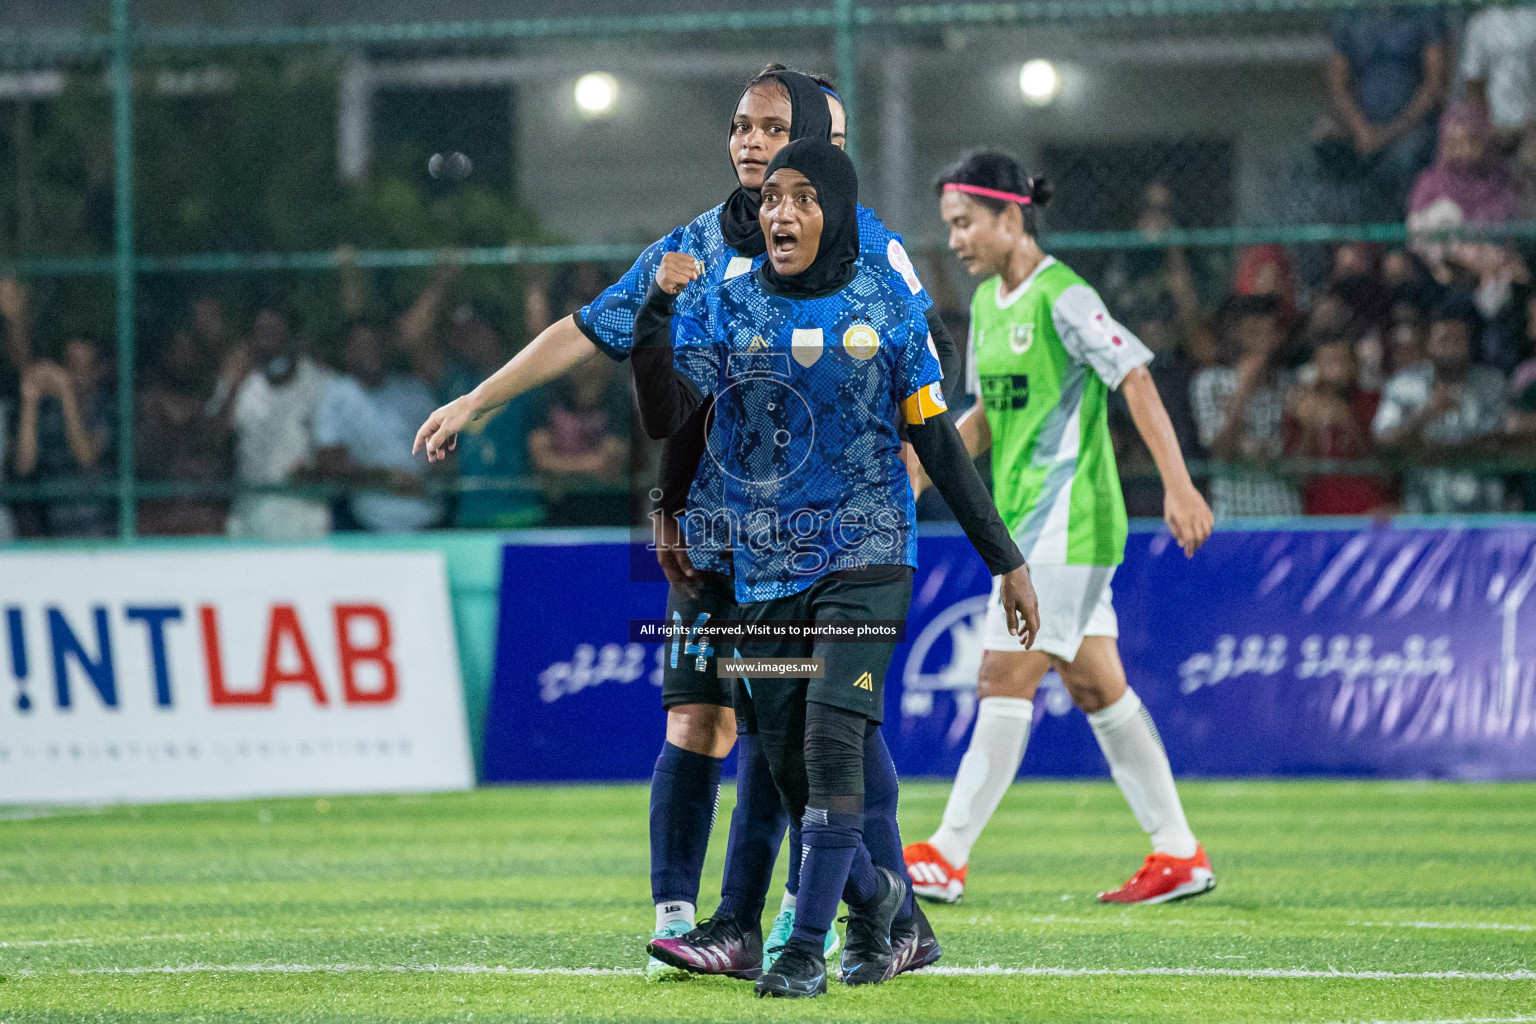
990,193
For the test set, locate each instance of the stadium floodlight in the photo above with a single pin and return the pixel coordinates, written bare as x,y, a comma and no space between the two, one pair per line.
596,94
1039,81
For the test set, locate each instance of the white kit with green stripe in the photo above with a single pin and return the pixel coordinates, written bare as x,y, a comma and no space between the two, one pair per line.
1042,360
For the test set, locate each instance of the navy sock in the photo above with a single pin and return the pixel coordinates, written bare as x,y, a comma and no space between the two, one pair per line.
863,884
832,849
685,788
757,829
796,858
882,834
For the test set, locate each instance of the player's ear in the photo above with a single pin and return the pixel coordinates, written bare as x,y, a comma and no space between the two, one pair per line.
1013,218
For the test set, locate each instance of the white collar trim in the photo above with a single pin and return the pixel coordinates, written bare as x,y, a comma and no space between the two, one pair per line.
1006,299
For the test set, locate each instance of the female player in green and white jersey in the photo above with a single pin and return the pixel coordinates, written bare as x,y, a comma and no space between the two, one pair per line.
1044,353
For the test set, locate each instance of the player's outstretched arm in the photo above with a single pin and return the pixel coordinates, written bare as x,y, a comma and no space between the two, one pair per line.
1184,508
941,450
558,348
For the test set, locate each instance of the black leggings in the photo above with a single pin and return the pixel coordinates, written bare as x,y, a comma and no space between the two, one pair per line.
819,763
834,757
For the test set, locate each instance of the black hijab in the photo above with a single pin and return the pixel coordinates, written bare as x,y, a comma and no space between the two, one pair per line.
809,118
837,192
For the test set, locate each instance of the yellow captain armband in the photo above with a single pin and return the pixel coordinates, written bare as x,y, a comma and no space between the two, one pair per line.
922,406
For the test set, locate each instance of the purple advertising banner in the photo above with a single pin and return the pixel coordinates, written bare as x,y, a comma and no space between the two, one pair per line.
1391,652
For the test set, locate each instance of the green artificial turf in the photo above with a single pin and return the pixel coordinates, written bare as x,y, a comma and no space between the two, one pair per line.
426,909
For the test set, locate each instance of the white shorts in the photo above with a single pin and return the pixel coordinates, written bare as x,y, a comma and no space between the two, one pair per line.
1074,603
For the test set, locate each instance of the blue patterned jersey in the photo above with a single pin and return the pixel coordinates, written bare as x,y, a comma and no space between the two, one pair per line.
808,395
609,321
880,248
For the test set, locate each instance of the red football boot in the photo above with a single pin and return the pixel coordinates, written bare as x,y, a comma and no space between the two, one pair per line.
1163,879
933,877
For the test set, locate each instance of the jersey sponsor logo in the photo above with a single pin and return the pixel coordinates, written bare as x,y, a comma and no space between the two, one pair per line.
1020,337
806,345
757,344
902,264
864,682
862,341
1005,391
739,265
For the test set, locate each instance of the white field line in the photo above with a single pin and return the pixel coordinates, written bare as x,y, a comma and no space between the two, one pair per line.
1162,922
94,940
1478,925
980,970
498,969
1044,919
1229,972
24,813
1447,1020
1126,920
97,939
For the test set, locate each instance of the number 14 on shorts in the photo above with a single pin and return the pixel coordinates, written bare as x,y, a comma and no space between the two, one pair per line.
694,644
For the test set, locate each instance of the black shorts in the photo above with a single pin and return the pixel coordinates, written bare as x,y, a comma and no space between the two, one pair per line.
855,672
688,667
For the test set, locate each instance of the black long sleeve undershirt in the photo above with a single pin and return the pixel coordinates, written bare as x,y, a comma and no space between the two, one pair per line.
680,456
942,451
951,362
666,399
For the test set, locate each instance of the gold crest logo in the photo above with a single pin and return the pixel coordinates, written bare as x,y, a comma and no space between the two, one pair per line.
757,344
864,682
861,341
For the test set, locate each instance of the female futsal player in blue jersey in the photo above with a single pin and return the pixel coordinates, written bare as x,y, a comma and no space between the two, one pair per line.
815,360
776,107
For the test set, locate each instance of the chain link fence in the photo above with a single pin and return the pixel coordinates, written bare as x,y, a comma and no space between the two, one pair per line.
183,197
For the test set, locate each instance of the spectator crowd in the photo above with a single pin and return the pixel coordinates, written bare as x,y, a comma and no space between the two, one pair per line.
1363,378
1344,379
264,439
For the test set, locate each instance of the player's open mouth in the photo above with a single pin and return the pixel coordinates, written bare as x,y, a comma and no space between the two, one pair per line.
785,243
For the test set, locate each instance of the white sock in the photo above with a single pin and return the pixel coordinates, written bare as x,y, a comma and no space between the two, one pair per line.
987,770
674,910
1139,764
788,902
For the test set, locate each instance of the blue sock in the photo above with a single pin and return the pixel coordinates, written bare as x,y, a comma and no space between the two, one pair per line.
882,835
835,860
796,855
863,884
757,829
684,789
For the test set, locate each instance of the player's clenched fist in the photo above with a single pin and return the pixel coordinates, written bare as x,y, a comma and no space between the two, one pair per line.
676,270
